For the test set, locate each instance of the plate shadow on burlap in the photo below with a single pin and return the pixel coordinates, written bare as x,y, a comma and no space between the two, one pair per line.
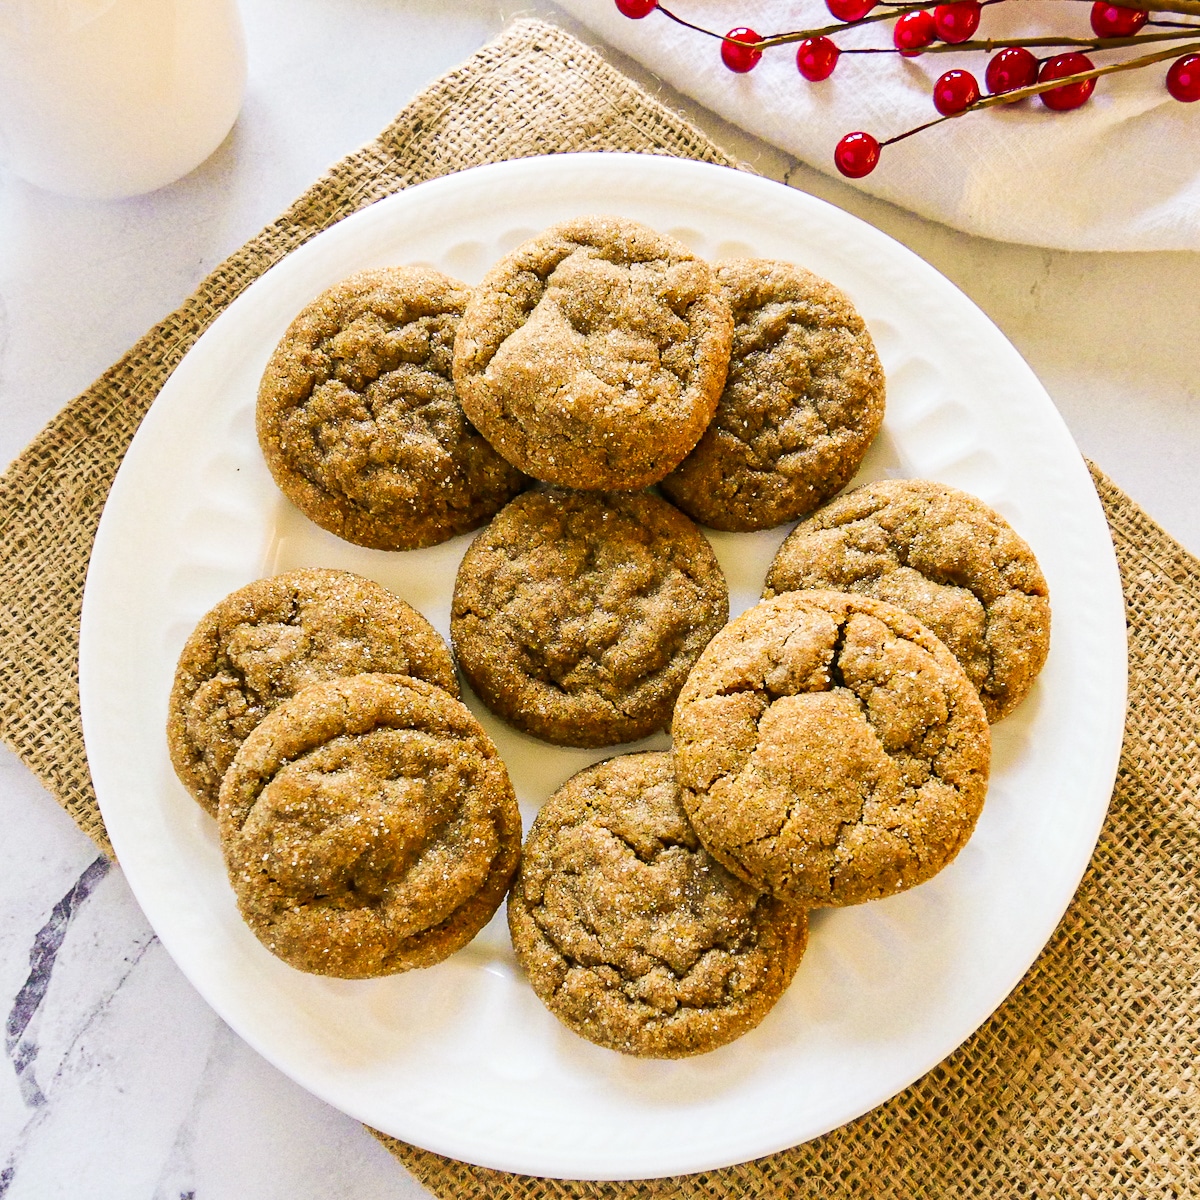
1084,1082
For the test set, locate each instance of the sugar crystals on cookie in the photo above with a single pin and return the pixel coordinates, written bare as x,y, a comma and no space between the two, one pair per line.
359,421
577,615
593,355
802,403
368,827
631,933
830,750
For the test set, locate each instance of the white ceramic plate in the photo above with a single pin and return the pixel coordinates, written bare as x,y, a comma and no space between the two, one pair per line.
462,1058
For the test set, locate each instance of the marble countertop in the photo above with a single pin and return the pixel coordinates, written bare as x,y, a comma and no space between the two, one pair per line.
119,1081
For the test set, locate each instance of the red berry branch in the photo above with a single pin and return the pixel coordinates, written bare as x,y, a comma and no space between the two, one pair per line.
1013,72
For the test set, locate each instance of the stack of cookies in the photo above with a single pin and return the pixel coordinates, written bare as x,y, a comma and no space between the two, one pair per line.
830,746
367,822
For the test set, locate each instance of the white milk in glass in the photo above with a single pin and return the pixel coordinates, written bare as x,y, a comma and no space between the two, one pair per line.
110,98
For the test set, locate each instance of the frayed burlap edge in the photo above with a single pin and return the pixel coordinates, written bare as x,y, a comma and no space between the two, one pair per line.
1082,1084
534,90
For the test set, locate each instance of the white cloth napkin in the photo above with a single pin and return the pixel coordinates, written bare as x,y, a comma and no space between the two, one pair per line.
1120,173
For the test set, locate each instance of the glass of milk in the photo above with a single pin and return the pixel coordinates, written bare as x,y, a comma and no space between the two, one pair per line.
111,98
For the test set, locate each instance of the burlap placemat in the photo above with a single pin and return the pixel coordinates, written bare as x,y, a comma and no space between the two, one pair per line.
1083,1084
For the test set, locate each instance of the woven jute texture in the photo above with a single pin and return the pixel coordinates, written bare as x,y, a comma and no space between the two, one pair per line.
1082,1084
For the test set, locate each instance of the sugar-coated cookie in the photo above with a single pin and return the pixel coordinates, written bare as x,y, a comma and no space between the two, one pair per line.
368,827
829,749
802,403
577,615
266,641
359,422
945,557
592,356
630,933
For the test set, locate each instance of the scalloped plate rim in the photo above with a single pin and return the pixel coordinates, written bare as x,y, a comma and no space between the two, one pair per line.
104,596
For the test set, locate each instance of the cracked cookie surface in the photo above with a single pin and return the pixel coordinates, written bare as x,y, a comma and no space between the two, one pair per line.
593,355
368,827
266,641
945,557
830,750
359,421
802,403
630,933
577,615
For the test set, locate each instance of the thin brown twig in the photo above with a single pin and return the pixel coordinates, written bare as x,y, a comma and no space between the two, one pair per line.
799,35
1189,7
1093,43
1037,88
900,9
909,132
1130,64
666,12
896,10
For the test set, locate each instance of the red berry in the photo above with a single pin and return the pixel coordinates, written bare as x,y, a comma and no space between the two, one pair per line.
1183,79
1014,67
850,10
1071,95
1113,20
739,50
636,9
956,22
816,58
856,155
913,31
955,92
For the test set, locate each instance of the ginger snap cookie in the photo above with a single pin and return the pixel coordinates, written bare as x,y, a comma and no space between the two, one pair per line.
945,557
368,827
802,403
593,355
266,641
577,615
359,421
630,932
830,750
